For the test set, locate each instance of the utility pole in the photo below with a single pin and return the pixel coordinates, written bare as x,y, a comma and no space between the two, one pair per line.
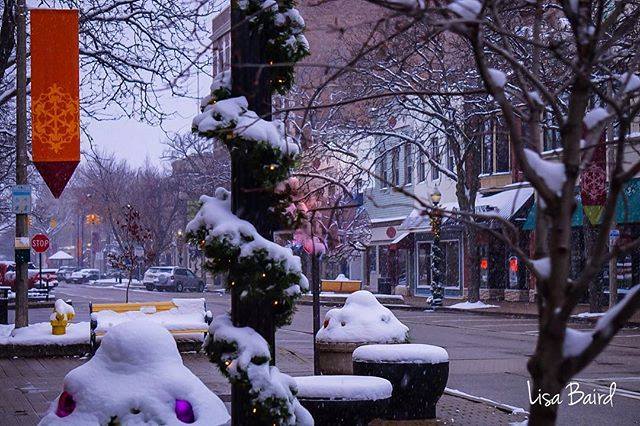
613,261
252,82
22,224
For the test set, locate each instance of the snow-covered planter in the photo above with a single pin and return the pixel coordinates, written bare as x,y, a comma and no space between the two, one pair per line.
362,320
136,377
419,375
344,400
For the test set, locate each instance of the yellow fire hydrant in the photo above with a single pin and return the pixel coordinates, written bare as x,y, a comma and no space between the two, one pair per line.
62,314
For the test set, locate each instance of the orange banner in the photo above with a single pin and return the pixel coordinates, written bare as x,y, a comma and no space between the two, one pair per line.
55,97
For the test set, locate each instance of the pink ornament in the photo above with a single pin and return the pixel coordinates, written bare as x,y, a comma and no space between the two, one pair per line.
66,404
184,411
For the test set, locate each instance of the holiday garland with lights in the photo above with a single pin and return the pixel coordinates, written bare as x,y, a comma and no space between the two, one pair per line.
262,272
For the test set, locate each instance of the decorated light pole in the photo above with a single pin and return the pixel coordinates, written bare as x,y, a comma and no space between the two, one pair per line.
437,287
234,228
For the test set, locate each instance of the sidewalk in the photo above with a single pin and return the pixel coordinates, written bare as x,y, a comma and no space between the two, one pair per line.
515,309
27,387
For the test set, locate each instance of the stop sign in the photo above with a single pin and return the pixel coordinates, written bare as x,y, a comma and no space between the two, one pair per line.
40,243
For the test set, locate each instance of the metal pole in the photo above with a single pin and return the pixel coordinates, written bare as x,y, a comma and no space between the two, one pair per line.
613,261
22,224
315,288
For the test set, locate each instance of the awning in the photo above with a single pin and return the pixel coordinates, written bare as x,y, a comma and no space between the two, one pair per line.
627,208
401,235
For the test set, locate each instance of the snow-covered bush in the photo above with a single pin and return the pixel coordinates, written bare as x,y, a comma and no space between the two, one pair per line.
136,377
362,319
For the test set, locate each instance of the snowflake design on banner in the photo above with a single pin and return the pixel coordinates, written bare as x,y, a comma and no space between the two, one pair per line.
594,182
55,118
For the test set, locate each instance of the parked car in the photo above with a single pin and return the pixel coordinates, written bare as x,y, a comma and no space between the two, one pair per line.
172,278
49,278
64,272
84,276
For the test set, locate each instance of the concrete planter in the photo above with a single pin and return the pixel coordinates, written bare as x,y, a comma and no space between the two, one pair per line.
336,358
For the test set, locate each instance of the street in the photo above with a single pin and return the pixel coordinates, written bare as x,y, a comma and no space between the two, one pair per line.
488,353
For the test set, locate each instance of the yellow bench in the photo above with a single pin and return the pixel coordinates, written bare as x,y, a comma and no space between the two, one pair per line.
341,286
131,307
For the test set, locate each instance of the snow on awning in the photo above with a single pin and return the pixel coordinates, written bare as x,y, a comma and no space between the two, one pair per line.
401,235
504,204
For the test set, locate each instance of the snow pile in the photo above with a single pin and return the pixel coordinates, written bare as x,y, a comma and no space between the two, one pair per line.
551,172
40,334
215,215
594,117
249,361
62,310
188,314
221,83
404,353
466,9
362,319
233,115
136,377
350,388
474,305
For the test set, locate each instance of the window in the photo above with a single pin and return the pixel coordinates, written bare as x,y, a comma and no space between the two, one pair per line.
422,167
190,274
501,147
383,172
487,147
424,264
408,165
451,160
551,133
496,156
435,156
395,166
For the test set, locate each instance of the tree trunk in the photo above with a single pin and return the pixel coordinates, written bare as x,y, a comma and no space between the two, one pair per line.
595,288
126,300
545,367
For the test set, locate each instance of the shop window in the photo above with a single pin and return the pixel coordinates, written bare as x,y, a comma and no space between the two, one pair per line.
551,133
422,168
451,266
424,265
487,147
501,149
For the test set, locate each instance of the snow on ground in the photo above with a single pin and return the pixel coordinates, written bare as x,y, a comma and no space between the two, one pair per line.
40,334
114,282
362,319
403,353
588,315
514,410
366,388
474,305
188,314
136,377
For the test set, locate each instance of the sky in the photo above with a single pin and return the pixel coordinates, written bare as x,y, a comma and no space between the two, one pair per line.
136,141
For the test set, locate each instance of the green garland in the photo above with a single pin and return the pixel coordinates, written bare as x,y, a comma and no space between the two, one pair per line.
280,23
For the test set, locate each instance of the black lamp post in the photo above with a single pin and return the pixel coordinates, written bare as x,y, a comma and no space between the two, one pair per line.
437,288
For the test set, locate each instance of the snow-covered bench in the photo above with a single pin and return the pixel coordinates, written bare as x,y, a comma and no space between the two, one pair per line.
186,319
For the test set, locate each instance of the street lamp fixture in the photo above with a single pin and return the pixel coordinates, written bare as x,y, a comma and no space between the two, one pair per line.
436,196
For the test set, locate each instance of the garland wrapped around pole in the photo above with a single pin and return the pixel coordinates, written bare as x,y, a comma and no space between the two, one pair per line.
234,228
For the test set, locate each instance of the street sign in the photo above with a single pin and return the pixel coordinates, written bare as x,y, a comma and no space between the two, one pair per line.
614,235
21,199
40,243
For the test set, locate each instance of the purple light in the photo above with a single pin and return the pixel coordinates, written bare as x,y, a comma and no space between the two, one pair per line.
66,404
184,411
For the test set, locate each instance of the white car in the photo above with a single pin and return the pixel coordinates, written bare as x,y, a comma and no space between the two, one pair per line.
84,276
